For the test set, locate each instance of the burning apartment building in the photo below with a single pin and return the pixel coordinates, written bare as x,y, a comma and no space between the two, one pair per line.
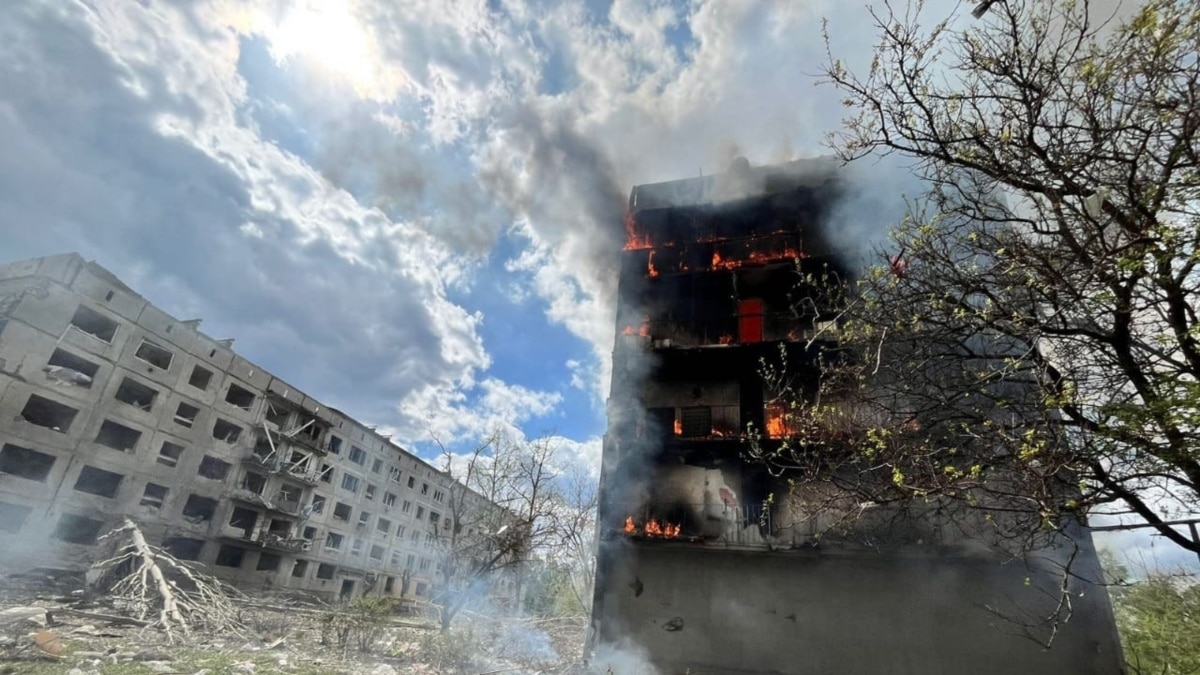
110,407
711,563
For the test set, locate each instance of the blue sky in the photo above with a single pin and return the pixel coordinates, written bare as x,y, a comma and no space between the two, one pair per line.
408,209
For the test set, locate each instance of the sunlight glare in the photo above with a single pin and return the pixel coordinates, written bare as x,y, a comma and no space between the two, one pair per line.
328,36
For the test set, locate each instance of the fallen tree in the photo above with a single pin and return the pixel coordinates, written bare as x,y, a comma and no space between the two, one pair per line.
160,590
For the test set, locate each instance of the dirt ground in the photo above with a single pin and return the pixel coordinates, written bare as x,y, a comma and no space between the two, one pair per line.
47,626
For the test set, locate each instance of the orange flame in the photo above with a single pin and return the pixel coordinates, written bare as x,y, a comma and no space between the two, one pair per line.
664,529
633,239
678,427
726,339
777,426
651,270
719,262
654,528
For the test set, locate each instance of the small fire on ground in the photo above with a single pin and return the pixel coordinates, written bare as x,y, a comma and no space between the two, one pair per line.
653,528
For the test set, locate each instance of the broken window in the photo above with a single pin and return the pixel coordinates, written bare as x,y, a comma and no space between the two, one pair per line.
421,587
377,466
310,533
185,415
153,496
200,378
224,430
376,552
67,368
25,463
695,422
363,518
400,530
243,519
94,323
325,571
434,517
369,493
333,541
77,529
199,509
239,397
230,556
154,354
438,495
184,548
169,453
350,483
411,482
389,499
356,547
288,494
12,517
407,507
389,585
267,562
342,511
213,468
424,488
117,436
254,482
335,445
50,414
299,568
424,566
383,525
420,512
318,504
326,473
136,394
357,455
277,415
396,474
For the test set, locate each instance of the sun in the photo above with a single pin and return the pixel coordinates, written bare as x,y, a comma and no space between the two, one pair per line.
326,35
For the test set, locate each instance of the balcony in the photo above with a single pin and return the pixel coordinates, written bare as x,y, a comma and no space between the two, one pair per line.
709,524
280,504
729,332
720,422
270,463
272,541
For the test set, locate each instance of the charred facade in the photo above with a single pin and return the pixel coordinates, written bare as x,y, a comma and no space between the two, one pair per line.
709,563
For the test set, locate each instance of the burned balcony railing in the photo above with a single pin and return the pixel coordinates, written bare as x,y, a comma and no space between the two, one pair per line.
711,524
730,331
707,422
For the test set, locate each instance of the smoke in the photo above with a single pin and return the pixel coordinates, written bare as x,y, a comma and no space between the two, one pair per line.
623,656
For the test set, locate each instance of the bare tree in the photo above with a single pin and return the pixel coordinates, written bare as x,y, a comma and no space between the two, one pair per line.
1039,306
500,512
574,513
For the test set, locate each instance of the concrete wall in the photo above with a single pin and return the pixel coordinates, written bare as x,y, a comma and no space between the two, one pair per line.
707,612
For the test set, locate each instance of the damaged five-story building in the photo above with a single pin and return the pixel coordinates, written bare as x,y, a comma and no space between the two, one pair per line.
111,408
711,563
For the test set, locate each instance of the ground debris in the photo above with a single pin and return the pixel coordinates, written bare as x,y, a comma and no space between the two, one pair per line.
276,634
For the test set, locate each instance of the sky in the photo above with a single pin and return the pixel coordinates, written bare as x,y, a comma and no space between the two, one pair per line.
409,209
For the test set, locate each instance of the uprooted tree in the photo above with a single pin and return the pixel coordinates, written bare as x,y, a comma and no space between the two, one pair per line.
1038,304
160,590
